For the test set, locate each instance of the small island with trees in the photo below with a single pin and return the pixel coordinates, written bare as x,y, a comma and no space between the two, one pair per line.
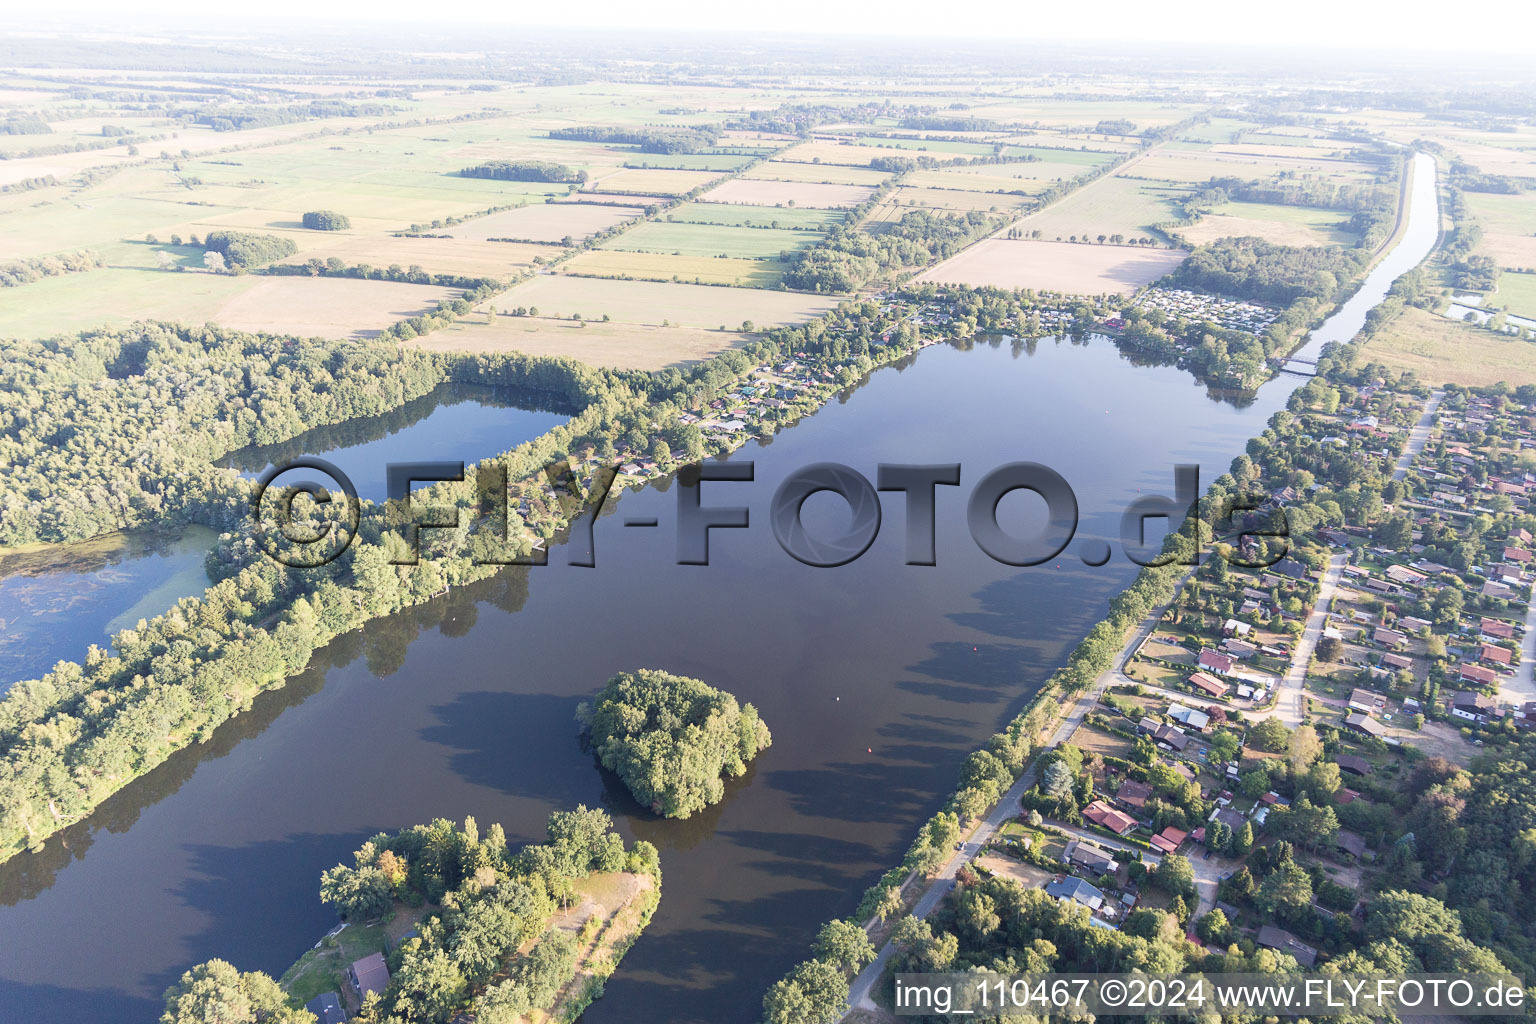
442,923
672,739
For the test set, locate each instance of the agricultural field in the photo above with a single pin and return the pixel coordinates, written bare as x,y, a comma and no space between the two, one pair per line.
666,183
1509,226
659,303
759,192
711,240
1111,205
1443,351
327,307
1181,165
654,266
732,215
1031,176
1517,293
1082,269
434,255
545,222
1285,225
828,174
848,154
622,346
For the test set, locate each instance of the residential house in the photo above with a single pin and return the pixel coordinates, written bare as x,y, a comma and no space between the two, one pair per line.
1214,661
1388,637
1232,627
1188,716
1169,840
1133,795
327,1008
1282,941
1351,843
1354,764
368,975
1241,649
1473,707
1075,889
1093,859
1365,700
1493,630
1105,816
1500,656
1365,725
1209,684
1396,662
1477,674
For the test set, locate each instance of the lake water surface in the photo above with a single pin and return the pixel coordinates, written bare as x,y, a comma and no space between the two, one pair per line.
877,678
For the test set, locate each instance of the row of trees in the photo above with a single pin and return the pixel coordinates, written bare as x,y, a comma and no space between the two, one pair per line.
19,272
524,170
670,139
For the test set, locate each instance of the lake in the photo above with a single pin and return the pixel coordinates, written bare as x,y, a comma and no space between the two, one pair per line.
877,678
57,601
453,422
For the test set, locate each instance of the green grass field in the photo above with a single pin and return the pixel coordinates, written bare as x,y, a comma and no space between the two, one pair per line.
730,215
1442,351
712,240
1109,206
690,161
649,302
655,266
1285,225
1516,291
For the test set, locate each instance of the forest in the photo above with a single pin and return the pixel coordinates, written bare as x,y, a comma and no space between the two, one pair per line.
524,170
671,141
849,258
247,250
672,739
470,954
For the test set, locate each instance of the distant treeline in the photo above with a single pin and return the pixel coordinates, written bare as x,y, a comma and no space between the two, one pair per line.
25,124
225,119
649,140
524,170
19,272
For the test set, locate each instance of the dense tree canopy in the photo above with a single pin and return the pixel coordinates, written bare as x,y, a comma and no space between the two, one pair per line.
672,739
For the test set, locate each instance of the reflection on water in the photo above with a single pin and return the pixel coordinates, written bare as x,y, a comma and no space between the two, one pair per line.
877,679
57,601
453,422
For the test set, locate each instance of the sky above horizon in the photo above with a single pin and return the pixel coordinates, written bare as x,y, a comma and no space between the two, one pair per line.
1303,23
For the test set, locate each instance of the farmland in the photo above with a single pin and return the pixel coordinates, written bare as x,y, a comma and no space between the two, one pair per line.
1442,351
622,346
328,307
712,240
724,214
758,192
649,266
649,302
1286,225
546,222
781,170
1509,227
1083,269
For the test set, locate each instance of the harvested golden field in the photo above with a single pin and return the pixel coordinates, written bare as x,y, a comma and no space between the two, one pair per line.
618,345
658,302
1184,165
660,266
436,255
545,222
331,307
612,197
1285,225
1442,351
1056,266
757,192
654,182
781,170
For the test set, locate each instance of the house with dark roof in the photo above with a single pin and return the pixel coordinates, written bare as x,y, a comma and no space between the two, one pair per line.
1367,701
1091,858
327,1008
1133,795
368,975
1353,764
1365,725
1282,941
1075,889
1473,707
